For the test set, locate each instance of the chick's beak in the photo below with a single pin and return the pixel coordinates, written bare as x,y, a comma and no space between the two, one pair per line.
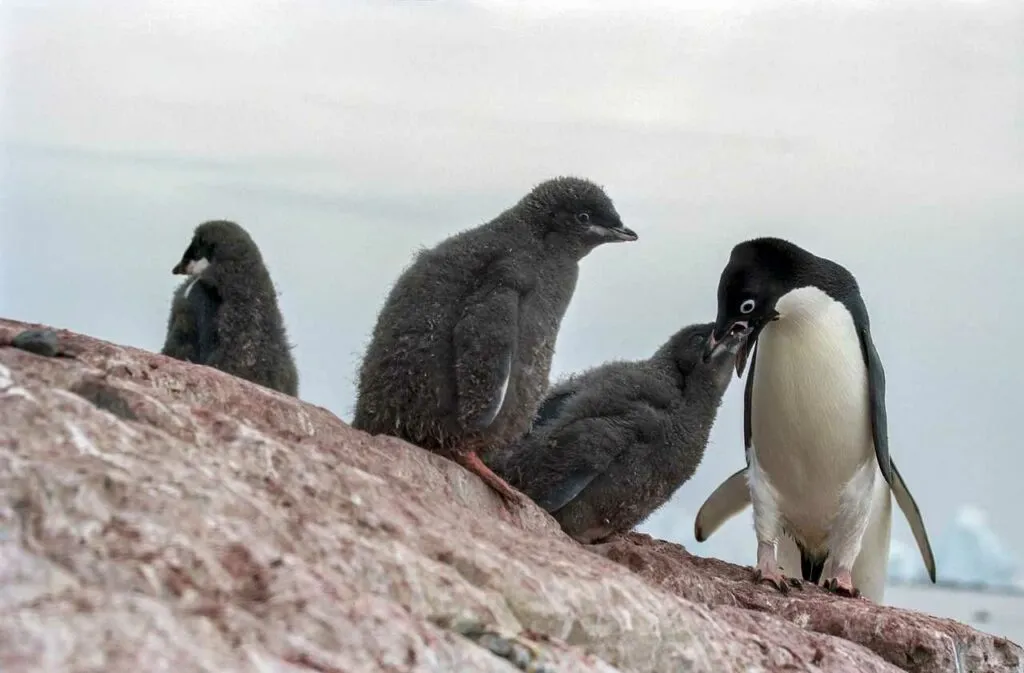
727,336
620,232
750,334
179,268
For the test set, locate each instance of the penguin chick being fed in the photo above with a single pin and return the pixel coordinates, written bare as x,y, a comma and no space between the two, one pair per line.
814,425
462,348
612,444
226,314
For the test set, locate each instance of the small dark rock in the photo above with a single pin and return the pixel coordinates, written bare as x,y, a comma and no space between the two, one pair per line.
38,341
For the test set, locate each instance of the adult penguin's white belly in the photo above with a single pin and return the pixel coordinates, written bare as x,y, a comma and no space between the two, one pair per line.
810,422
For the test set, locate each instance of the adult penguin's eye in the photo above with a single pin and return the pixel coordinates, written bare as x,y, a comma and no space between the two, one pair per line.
747,306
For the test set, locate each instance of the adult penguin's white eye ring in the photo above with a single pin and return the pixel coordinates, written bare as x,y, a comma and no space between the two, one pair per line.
747,306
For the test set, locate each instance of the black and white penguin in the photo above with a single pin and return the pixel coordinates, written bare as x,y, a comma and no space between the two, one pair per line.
818,469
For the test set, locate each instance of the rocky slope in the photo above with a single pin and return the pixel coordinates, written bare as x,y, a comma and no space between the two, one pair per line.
161,516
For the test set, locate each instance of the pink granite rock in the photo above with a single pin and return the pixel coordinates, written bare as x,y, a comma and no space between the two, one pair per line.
162,516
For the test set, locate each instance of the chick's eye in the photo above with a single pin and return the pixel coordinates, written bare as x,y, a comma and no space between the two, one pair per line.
583,217
747,306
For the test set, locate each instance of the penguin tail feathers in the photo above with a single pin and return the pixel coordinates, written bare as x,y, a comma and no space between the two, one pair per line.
811,567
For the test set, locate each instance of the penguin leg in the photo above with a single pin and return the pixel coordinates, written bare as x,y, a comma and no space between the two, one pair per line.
846,533
871,568
767,570
471,461
767,527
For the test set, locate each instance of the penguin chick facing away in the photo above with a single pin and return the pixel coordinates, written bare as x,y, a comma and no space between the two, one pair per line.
814,423
460,355
226,314
612,444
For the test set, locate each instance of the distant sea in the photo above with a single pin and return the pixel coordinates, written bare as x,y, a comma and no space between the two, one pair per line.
1001,614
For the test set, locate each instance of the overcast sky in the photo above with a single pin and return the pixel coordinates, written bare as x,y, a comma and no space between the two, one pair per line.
888,136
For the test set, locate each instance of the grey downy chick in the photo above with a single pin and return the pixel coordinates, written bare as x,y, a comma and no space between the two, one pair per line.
460,354
226,314
612,444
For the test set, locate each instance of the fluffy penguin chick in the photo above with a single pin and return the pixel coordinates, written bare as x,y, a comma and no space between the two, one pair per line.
817,448
461,351
226,315
611,445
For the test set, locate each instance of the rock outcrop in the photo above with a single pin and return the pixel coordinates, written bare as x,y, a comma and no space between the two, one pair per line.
162,516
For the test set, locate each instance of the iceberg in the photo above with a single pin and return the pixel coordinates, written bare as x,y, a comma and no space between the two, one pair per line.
970,554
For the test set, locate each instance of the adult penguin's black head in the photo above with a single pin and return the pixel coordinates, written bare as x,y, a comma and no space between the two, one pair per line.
760,271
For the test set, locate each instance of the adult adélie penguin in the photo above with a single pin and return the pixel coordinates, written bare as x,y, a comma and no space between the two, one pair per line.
819,473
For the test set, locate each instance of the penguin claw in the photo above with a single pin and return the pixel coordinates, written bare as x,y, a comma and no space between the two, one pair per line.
777,580
834,586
